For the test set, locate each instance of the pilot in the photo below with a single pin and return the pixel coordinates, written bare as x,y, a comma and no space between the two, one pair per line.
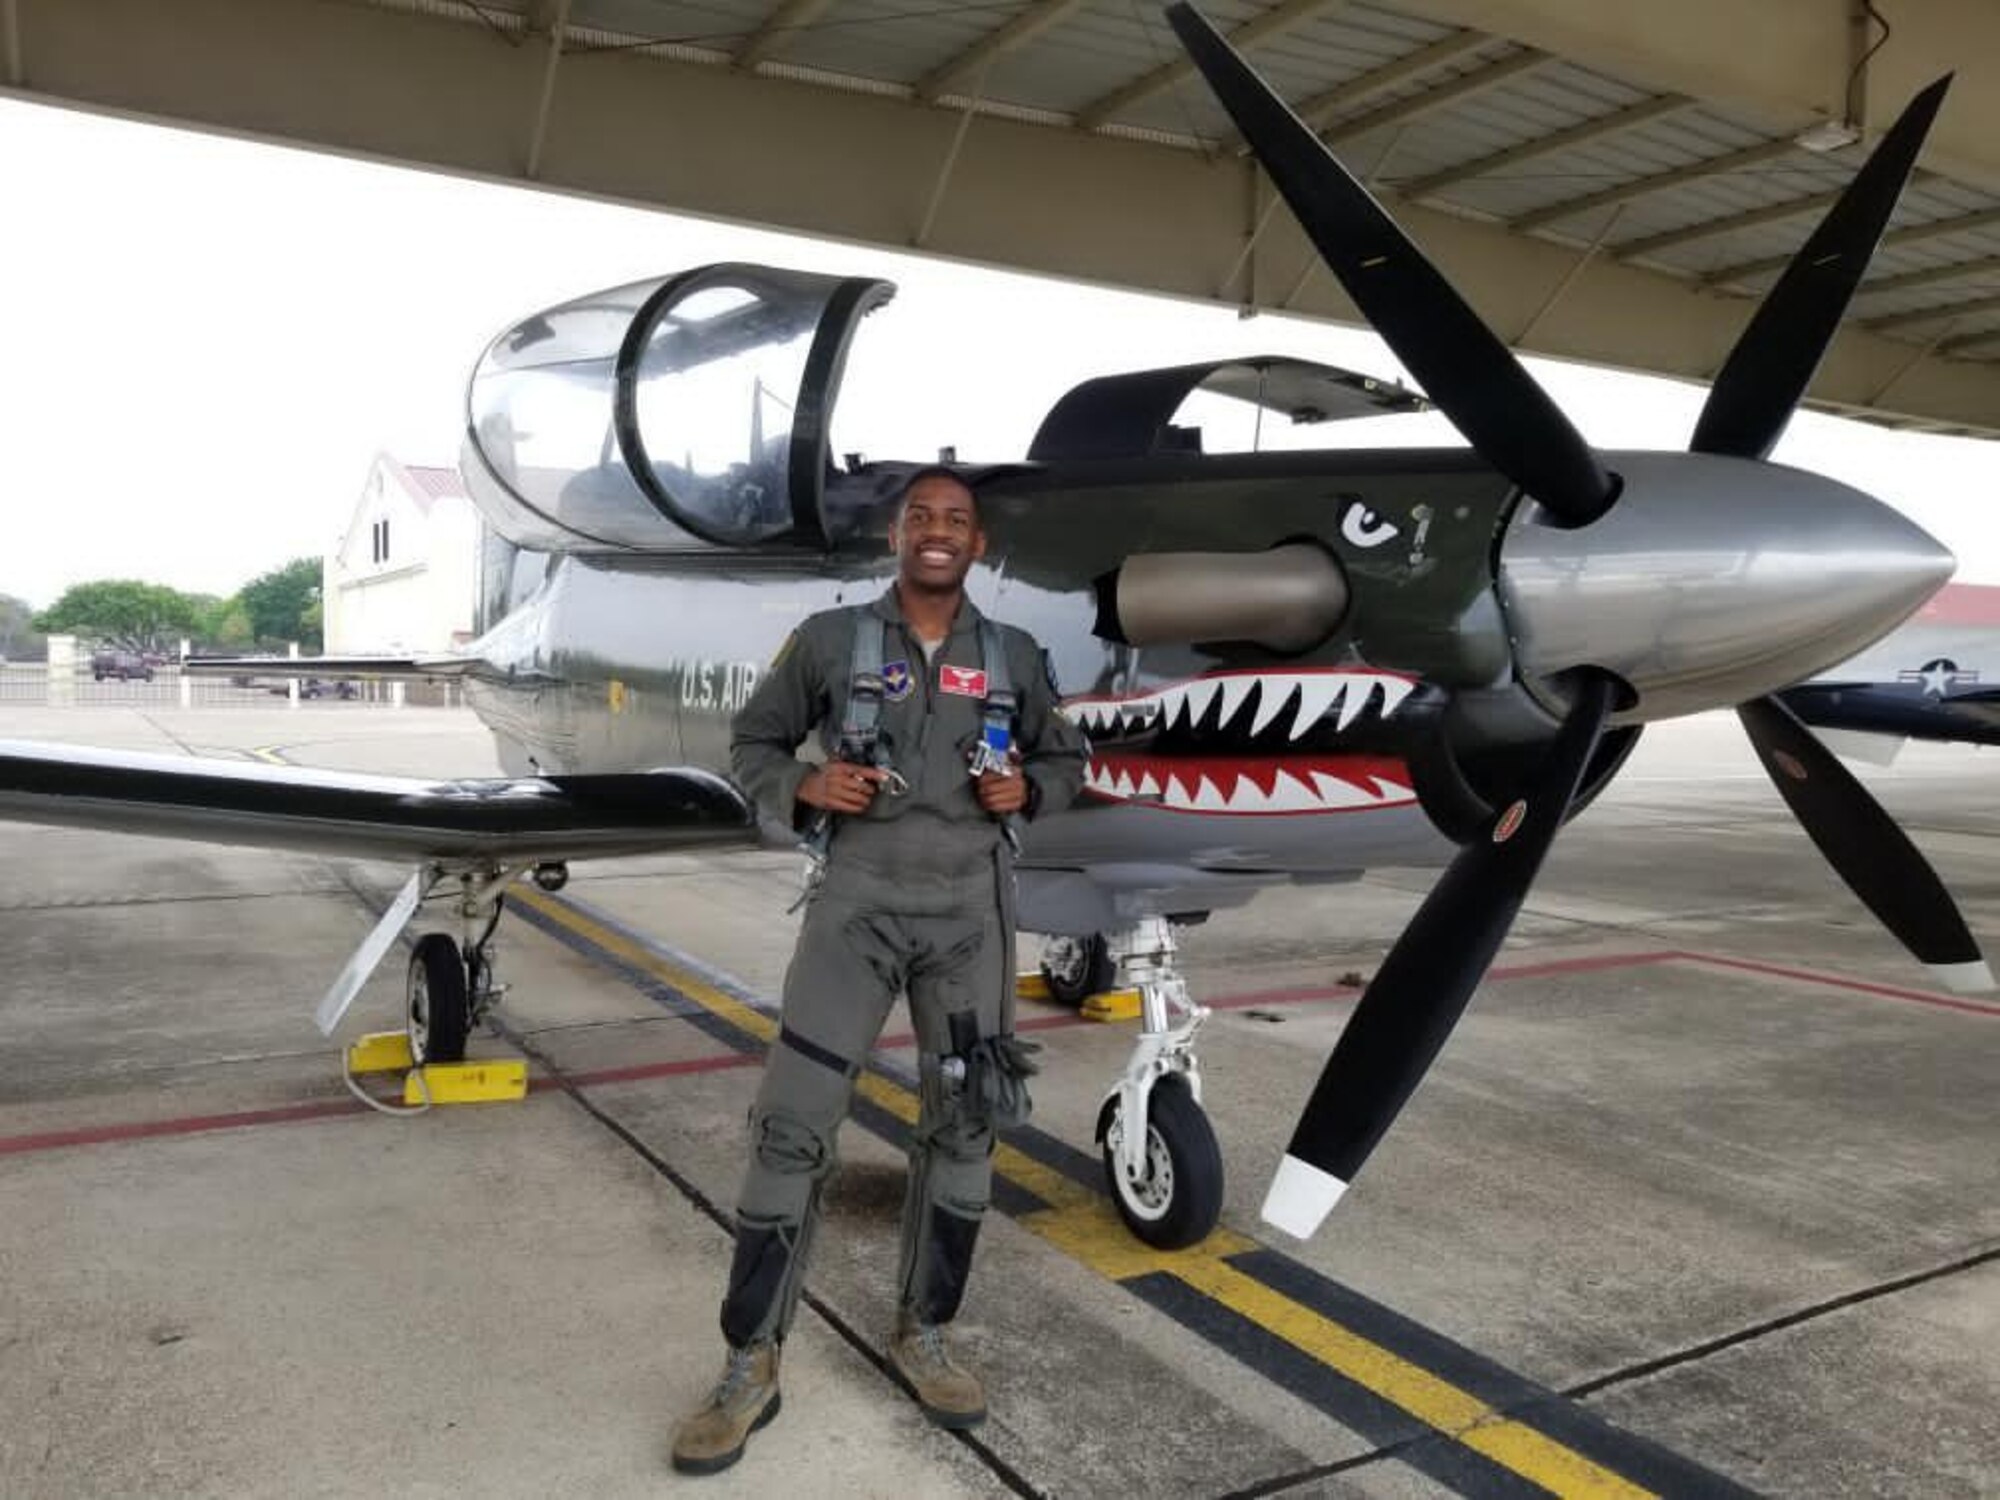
941,735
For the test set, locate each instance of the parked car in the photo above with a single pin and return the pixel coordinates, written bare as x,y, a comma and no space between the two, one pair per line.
124,665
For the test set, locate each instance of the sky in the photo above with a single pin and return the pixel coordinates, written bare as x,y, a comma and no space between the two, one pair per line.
205,341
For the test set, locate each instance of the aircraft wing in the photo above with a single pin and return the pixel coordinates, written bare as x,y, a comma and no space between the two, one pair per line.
374,667
1899,708
526,819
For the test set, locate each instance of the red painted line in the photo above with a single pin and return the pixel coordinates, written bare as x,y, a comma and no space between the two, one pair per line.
295,1114
1836,981
137,1130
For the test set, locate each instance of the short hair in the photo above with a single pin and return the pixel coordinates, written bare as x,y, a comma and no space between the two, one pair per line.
935,471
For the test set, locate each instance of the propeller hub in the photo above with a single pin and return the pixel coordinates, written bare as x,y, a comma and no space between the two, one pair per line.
1711,581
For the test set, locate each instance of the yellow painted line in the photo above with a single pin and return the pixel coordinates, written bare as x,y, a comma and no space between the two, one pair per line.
1427,1397
1084,1225
271,755
728,1007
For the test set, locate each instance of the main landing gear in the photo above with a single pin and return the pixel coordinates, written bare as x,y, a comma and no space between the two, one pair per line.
451,984
1160,1154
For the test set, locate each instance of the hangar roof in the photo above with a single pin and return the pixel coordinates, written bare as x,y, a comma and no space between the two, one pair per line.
1603,182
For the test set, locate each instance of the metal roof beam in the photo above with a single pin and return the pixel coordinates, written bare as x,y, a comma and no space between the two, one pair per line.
552,26
1317,110
1953,347
10,25
1708,229
1932,275
1629,118
1914,234
1478,81
1925,314
1024,28
775,31
1257,29
1625,192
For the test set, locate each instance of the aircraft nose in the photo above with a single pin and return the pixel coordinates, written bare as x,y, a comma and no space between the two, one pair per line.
1712,581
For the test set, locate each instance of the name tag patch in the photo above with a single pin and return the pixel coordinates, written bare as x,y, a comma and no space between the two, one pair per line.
965,682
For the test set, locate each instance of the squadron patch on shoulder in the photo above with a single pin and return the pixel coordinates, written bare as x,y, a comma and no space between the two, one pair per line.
896,680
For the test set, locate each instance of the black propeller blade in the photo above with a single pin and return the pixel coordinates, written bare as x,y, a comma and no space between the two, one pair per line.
1423,985
1864,845
1468,372
1775,358
1745,414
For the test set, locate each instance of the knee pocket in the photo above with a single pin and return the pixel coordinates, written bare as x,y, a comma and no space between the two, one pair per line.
961,1136
786,1144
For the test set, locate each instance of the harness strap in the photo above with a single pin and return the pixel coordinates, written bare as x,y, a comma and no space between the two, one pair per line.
860,735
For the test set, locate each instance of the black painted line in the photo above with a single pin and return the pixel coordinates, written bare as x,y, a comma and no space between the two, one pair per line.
1515,1396
1394,1431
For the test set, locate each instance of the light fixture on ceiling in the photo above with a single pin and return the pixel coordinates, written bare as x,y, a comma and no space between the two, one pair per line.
1828,135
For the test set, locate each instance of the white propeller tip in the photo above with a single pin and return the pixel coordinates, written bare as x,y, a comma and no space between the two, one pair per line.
1300,1197
1963,979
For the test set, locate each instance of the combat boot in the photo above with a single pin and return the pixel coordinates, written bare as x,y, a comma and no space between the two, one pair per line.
744,1399
951,1397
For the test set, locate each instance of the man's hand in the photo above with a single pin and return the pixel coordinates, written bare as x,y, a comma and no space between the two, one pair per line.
1002,793
841,787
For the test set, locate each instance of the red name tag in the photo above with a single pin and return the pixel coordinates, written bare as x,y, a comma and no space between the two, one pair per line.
967,682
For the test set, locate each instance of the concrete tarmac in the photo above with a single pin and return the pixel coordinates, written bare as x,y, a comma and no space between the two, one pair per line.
1701,1196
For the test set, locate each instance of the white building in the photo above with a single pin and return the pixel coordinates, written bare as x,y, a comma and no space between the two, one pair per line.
402,579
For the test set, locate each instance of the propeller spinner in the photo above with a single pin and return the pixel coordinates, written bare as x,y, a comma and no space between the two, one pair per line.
1603,631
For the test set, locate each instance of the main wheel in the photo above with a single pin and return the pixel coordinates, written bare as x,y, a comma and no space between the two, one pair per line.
437,1015
1077,968
1177,1197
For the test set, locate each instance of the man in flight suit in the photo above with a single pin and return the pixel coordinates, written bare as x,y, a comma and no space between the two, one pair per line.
916,897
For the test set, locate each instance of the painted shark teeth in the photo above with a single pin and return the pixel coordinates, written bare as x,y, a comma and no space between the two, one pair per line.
1305,784
1309,695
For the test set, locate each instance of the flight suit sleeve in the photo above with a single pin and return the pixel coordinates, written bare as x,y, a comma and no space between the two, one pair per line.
789,700
1053,750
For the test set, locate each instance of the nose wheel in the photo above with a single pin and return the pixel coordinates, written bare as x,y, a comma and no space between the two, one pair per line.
1161,1159
1174,1197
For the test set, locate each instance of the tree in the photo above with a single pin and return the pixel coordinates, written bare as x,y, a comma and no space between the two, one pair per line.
283,605
139,616
19,640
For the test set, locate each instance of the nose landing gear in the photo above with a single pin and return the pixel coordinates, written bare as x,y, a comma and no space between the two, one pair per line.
1161,1158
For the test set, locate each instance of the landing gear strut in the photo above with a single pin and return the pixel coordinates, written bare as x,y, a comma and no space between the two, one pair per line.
451,983
1160,1153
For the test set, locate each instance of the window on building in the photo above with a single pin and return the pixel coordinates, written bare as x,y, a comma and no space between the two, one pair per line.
378,541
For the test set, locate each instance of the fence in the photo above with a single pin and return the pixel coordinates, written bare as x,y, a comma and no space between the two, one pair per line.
74,684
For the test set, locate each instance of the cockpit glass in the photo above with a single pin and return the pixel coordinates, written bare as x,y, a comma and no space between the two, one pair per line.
716,392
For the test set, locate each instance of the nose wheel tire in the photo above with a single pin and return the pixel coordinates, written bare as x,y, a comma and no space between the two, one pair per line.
438,1010
1177,1197
1077,968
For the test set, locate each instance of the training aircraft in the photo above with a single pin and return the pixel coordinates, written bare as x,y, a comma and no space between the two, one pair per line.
1935,678
1292,666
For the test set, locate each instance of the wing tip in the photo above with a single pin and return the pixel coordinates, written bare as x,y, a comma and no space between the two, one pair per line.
1301,1195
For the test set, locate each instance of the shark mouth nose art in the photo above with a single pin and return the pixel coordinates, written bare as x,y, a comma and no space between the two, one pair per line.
1218,772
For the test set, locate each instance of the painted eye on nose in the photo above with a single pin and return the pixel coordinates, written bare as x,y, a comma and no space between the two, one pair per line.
1364,528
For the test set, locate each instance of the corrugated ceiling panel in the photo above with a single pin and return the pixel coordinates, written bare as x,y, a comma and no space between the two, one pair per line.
891,40
717,24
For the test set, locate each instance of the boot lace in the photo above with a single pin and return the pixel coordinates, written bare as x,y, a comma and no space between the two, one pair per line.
737,1371
929,1341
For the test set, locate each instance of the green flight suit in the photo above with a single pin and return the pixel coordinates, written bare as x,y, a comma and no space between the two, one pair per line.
917,898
